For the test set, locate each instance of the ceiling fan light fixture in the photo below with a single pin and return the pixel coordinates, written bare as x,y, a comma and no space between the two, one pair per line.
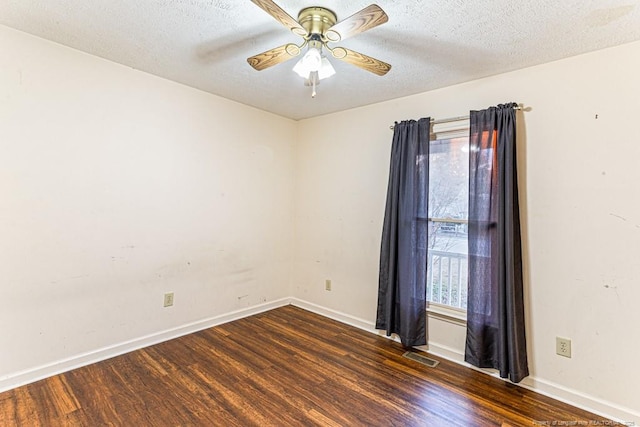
314,67
326,69
314,61
311,61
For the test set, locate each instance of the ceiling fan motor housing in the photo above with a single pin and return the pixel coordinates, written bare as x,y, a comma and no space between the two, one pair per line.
317,20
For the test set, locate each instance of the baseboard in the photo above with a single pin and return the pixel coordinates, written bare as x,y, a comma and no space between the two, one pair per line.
547,388
17,379
623,415
335,315
446,352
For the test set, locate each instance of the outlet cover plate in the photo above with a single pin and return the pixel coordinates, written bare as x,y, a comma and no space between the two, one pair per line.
563,347
168,299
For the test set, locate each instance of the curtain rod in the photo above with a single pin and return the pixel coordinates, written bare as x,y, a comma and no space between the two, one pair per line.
455,119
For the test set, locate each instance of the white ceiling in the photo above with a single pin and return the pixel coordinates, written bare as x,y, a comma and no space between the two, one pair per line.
430,44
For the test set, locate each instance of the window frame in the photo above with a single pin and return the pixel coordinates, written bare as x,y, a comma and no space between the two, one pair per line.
448,129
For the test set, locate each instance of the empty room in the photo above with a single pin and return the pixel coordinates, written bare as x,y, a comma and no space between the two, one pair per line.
288,213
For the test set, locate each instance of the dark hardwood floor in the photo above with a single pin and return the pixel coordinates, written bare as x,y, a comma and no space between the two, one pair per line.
285,367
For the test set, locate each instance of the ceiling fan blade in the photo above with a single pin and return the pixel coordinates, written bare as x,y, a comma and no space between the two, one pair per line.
281,16
360,60
274,56
369,17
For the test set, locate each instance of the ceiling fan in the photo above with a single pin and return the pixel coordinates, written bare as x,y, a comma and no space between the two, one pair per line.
318,26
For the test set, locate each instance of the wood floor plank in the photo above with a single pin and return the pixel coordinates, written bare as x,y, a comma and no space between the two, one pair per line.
284,367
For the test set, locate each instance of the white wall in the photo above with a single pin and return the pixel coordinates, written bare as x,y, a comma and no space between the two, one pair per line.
117,186
580,202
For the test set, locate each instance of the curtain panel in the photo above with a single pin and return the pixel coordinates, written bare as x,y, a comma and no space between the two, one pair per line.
403,253
495,310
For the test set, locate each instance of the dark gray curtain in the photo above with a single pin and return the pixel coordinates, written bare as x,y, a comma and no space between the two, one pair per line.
495,310
403,253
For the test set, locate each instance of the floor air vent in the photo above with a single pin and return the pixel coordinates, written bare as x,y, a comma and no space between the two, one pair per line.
421,359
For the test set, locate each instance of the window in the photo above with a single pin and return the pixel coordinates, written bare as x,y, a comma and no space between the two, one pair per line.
447,259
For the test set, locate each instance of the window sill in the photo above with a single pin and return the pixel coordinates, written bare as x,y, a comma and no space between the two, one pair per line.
447,314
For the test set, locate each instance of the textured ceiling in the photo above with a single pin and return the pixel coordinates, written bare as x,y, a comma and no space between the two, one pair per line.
430,44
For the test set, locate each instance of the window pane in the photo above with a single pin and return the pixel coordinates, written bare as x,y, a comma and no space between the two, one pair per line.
448,198
449,178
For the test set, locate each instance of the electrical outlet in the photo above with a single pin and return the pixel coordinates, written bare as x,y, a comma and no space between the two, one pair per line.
168,299
327,285
563,346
